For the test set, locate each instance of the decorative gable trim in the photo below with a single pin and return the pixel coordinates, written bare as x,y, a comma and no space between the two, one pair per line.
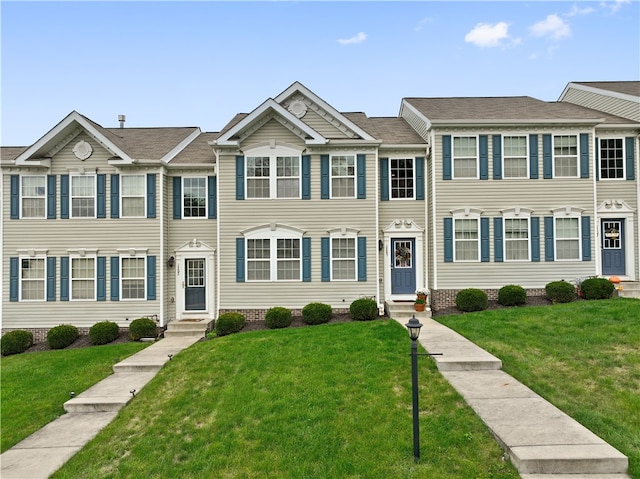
180,146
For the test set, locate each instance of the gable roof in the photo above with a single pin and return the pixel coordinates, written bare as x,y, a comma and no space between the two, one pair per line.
391,130
198,152
631,88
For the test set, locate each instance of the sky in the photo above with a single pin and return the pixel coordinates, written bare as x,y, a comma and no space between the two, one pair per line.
199,63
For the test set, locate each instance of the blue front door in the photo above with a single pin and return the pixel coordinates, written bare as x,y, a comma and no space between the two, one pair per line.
403,268
613,258
195,290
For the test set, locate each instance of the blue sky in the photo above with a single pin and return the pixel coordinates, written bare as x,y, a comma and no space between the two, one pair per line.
200,63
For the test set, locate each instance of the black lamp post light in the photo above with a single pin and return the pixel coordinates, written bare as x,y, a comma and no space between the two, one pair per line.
414,332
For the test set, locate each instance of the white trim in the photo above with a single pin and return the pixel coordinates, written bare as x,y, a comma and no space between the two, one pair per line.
554,157
624,157
81,174
516,214
526,157
349,234
453,158
206,197
84,254
273,152
413,171
355,175
619,209
600,91
180,146
121,278
273,233
21,197
195,249
32,255
143,195
564,213
403,228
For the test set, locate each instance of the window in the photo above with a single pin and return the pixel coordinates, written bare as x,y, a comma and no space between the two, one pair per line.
274,254
288,176
258,170
466,239
32,279
83,196
33,197
133,278
401,178
465,157
273,172
133,196
611,158
565,155
516,239
567,237
83,278
515,157
343,176
343,259
258,260
194,198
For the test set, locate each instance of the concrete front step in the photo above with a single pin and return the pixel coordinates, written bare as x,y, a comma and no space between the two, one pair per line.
573,459
402,311
630,289
575,476
110,394
186,328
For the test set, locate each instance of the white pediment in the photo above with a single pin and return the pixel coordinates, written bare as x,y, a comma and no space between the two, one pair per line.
612,207
406,225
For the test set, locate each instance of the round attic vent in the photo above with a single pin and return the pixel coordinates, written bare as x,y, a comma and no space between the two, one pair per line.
82,150
298,108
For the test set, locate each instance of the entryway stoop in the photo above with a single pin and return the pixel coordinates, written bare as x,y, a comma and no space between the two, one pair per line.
404,310
630,289
187,328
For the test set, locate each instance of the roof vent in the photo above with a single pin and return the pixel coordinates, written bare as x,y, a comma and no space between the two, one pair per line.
122,119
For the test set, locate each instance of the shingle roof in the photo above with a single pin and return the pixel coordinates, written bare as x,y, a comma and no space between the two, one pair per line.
8,153
148,143
391,130
625,87
198,151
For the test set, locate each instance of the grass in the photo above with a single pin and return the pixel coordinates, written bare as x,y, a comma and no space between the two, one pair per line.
584,357
328,401
36,385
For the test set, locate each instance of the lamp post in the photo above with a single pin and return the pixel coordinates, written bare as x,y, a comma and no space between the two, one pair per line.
414,331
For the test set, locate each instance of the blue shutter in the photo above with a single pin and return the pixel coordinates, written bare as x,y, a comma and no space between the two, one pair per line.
484,240
325,248
51,197
64,196
361,161
102,278
115,196
51,279
547,160
177,197
596,155
115,278
14,278
535,238
549,254
483,141
446,157
497,157
64,278
324,177
448,240
586,238
498,245
584,155
212,187
306,260
239,177
384,179
151,278
306,177
362,258
419,178
630,157
101,187
15,197
533,157
240,260
151,195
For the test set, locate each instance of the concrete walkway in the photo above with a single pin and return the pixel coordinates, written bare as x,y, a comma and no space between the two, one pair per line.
45,451
542,441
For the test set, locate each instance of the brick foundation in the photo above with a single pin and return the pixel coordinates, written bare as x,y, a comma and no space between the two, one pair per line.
259,314
446,298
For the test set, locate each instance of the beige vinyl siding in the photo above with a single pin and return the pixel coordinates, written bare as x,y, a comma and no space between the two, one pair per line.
606,103
493,196
320,124
415,121
272,130
315,217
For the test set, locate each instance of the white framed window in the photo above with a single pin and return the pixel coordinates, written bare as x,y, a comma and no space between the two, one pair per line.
402,178
83,278
565,156
515,160
33,276
273,172
133,277
133,196
194,197
466,239
33,196
612,162
344,255
517,234
343,176
274,254
83,196
567,238
465,157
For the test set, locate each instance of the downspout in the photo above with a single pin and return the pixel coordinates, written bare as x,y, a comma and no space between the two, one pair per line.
636,273
163,263
425,251
216,253
434,253
377,199
597,247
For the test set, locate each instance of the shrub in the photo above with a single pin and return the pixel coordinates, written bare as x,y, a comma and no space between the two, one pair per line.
15,342
560,291
471,299
363,309
278,317
62,336
142,328
229,323
512,295
103,332
597,288
316,313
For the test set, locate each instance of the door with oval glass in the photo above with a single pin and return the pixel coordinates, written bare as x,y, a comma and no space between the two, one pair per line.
403,268
613,254
194,288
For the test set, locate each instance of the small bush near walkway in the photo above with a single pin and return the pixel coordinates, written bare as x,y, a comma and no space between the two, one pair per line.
229,323
560,292
597,288
472,299
142,328
16,342
62,336
103,332
363,309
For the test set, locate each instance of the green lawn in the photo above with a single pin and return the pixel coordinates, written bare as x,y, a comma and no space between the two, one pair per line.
36,385
584,357
328,401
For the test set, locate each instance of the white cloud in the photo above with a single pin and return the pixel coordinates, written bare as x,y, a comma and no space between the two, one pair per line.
359,38
615,5
553,26
487,35
575,10
422,23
